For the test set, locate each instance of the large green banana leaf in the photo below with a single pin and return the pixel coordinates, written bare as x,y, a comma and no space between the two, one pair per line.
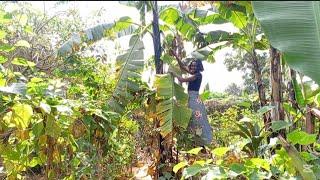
188,23
132,62
172,108
293,27
119,28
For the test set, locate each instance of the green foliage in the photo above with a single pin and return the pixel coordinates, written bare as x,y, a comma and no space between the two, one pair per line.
223,124
301,137
172,108
284,15
129,76
96,33
60,118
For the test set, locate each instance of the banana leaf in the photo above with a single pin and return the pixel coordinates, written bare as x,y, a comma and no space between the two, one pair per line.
293,27
172,108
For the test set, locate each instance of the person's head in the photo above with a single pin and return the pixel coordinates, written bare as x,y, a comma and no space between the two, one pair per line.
196,66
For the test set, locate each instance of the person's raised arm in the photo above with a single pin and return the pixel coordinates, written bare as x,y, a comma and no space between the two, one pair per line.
182,79
182,66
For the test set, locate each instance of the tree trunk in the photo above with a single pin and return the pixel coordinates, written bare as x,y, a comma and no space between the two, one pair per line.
310,120
159,70
156,39
276,91
260,87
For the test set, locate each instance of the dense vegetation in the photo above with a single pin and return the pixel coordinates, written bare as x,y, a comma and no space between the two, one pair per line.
70,109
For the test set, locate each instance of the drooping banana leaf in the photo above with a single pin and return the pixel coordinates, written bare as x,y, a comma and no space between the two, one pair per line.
119,28
172,109
131,63
293,27
188,23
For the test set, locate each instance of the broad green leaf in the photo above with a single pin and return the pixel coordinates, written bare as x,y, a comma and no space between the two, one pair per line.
23,19
28,29
37,129
5,18
195,150
35,161
308,156
301,137
293,28
287,107
277,125
23,62
170,15
260,163
3,59
172,109
238,19
22,114
2,34
245,104
52,128
298,93
205,95
122,27
265,109
220,151
180,165
127,84
6,48
2,82
191,170
237,168
23,43
167,58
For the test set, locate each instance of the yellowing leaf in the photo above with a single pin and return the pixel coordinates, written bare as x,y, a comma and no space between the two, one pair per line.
220,151
200,162
261,163
195,150
23,43
3,59
179,166
52,128
23,19
2,34
23,62
22,114
28,29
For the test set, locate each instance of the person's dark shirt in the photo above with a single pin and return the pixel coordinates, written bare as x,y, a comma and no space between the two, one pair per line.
195,84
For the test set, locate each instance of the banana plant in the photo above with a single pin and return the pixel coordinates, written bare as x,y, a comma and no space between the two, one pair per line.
119,28
172,103
254,134
131,63
300,45
188,22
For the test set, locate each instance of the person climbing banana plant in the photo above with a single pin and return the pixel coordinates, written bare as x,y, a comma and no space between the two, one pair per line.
199,125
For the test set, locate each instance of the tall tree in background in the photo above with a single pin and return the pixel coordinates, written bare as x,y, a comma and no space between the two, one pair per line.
241,15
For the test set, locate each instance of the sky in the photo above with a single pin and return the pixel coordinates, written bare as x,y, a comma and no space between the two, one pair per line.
216,74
